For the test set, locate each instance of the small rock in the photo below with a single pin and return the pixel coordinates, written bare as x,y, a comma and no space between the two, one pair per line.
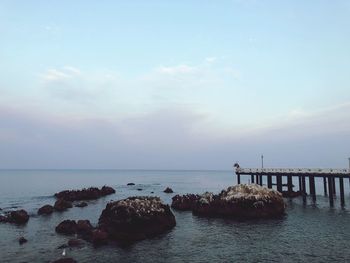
22,240
84,228
139,189
81,204
62,205
67,227
85,194
168,190
45,210
18,217
152,192
130,184
65,260
62,246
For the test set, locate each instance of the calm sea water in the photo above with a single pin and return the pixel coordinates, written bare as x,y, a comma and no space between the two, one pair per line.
308,233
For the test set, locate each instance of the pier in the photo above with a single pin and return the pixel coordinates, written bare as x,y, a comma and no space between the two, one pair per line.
277,177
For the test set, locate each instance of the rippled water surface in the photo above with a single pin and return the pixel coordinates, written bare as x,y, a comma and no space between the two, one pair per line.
308,233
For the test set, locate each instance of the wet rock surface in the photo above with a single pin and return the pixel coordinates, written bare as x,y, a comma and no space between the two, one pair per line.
136,218
85,194
67,227
46,210
240,201
18,217
184,202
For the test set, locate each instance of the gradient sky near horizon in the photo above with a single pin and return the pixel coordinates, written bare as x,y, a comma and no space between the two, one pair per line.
174,84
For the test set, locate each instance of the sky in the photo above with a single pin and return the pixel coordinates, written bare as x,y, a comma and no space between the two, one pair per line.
184,84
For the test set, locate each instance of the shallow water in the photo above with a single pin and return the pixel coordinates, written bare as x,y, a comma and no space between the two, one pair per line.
308,233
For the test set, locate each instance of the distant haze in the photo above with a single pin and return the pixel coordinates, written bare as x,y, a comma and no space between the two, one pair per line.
174,84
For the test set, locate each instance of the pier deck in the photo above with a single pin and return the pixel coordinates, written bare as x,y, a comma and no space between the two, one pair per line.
329,175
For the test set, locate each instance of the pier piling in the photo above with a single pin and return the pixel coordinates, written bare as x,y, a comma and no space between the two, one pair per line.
325,185
341,189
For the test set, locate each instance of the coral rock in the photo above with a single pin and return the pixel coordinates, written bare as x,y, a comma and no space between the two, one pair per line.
184,202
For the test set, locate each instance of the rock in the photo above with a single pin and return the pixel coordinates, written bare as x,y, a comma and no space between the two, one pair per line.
75,242
81,204
85,194
62,246
139,189
22,240
67,227
242,201
99,237
184,202
136,218
65,260
130,184
45,210
168,190
18,217
152,192
62,205
84,228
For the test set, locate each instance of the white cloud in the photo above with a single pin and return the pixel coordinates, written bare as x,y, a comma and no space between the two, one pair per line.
180,69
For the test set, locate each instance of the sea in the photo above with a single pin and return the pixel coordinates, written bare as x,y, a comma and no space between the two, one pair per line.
309,232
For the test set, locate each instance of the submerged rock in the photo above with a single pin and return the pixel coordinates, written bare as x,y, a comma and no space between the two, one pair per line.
85,194
84,228
242,201
168,190
74,242
18,217
292,194
136,218
62,205
45,210
22,240
184,202
129,184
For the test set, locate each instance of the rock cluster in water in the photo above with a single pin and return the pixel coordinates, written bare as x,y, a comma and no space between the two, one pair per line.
18,217
84,194
136,218
240,201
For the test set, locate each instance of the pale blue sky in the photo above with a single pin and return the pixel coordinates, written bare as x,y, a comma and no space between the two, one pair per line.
180,82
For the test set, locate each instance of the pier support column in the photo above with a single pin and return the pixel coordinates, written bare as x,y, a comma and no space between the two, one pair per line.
252,178
300,184
312,187
334,188
269,181
341,189
330,190
304,187
290,184
238,179
279,183
257,179
261,180
325,185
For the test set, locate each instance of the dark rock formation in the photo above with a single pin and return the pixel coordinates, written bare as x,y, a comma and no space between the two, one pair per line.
130,184
22,240
85,194
45,210
67,227
139,189
65,260
99,237
62,205
81,204
184,202
168,190
18,217
242,201
136,218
